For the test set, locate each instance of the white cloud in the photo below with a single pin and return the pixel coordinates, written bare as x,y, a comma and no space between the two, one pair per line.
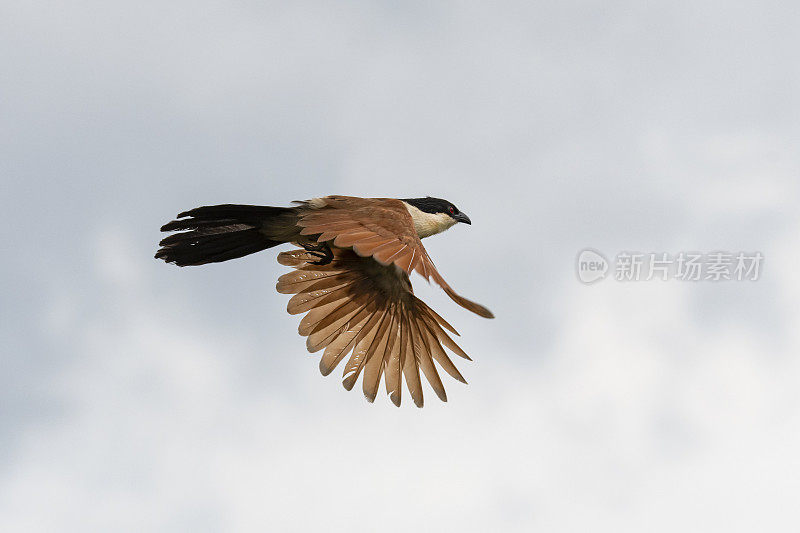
636,412
183,400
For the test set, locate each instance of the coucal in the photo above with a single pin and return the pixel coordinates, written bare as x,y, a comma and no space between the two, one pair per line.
351,277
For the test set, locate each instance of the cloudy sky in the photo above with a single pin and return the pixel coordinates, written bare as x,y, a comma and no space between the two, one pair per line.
136,396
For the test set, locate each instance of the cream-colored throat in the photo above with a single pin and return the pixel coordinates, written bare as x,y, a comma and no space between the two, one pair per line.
428,224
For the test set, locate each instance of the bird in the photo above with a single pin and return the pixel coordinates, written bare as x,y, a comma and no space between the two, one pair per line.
350,277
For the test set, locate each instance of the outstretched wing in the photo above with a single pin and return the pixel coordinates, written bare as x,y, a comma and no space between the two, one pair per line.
382,230
366,310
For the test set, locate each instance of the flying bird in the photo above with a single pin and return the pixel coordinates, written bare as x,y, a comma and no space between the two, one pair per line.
351,278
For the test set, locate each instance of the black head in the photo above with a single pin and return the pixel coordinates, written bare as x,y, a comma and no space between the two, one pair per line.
437,205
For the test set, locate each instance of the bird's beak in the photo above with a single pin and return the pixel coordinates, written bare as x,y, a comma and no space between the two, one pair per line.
461,217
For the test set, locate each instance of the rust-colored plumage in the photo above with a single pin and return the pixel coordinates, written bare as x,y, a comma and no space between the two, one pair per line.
350,279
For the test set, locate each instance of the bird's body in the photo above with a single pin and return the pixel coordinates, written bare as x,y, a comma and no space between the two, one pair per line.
351,277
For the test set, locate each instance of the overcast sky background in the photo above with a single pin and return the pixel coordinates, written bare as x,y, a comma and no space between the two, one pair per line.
136,396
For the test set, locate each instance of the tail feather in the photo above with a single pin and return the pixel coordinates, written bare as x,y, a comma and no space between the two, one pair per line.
194,223
256,213
217,233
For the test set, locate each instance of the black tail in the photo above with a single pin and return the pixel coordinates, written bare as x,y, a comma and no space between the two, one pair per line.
217,233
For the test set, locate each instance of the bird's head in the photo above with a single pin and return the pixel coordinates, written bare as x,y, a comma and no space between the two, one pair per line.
434,215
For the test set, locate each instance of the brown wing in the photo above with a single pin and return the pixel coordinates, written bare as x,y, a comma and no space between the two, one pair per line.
359,308
380,228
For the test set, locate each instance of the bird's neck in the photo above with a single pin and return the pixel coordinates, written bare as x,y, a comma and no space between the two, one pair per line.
428,224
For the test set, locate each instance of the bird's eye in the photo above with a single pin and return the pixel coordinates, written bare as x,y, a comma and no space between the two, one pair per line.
451,210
